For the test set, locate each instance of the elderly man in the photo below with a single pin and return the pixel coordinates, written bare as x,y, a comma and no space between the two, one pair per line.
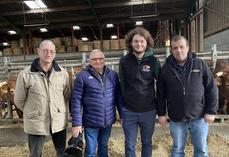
96,90
188,92
42,93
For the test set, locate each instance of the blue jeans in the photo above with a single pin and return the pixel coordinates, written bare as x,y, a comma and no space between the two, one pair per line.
145,121
94,136
198,130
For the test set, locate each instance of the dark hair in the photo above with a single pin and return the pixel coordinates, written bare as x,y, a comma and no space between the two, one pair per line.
142,32
176,38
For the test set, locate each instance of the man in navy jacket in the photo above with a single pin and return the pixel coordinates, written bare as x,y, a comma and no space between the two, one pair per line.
188,93
96,91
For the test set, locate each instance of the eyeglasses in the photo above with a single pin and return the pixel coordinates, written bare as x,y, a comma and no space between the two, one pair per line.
95,59
52,52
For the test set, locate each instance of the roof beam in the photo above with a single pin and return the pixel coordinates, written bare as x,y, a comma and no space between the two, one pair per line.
45,10
125,15
94,13
18,30
161,17
10,1
136,2
68,24
96,6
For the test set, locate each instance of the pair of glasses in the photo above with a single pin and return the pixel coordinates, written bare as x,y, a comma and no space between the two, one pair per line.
48,51
95,59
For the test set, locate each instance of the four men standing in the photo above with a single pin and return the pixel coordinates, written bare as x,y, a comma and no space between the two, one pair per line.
185,89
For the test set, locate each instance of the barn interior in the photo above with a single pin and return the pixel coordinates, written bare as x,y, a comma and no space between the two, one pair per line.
77,27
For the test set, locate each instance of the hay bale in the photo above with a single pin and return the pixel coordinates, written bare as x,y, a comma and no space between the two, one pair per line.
36,42
67,41
114,44
106,44
7,52
122,43
60,49
57,41
85,46
17,51
70,49
35,50
96,44
15,44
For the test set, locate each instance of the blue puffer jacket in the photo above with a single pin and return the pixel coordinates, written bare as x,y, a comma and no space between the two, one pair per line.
98,96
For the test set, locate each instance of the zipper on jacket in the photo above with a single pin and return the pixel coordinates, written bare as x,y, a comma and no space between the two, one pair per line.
189,75
102,84
178,78
100,80
103,90
47,84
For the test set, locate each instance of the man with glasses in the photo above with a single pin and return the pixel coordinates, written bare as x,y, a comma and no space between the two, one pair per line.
42,93
96,90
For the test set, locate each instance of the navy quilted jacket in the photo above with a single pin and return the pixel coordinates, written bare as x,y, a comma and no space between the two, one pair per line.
95,98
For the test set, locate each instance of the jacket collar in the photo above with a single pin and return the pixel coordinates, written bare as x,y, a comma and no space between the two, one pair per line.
35,67
91,69
171,59
149,52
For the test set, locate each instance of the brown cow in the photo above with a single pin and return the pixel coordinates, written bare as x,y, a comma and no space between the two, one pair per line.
11,88
7,98
3,98
221,74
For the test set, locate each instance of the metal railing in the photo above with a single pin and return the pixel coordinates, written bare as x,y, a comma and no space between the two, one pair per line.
11,66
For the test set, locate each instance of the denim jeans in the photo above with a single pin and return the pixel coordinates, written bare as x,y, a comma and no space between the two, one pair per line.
145,121
94,136
198,130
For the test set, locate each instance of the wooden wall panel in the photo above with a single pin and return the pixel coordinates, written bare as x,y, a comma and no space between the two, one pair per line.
216,16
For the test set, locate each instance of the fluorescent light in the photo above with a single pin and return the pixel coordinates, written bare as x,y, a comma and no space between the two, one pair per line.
36,24
12,32
110,25
139,23
5,44
144,16
43,30
84,38
35,4
114,37
76,27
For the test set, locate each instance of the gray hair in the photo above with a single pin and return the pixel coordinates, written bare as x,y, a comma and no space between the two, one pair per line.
46,42
96,51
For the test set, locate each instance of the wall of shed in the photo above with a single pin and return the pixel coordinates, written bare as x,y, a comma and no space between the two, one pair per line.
216,16
220,39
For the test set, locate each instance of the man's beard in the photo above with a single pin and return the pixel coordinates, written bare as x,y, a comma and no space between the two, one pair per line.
138,52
